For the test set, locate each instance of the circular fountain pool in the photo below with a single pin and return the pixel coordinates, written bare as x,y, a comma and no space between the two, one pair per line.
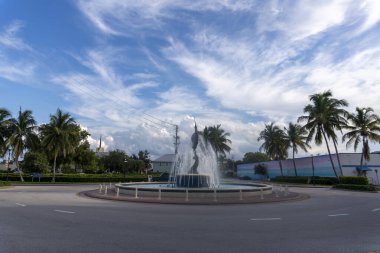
171,191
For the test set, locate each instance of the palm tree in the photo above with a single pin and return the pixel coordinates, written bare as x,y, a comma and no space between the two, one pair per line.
364,126
296,137
275,144
22,136
59,136
324,115
5,117
218,138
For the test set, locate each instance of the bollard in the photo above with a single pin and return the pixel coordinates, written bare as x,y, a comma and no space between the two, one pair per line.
286,190
215,199
110,185
187,195
276,193
105,190
100,188
241,195
117,192
261,194
136,193
159,194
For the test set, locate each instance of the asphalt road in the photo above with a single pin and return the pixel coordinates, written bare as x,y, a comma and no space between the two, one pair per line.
54,219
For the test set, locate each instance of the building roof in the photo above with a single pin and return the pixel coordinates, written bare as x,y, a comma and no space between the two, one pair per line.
168,158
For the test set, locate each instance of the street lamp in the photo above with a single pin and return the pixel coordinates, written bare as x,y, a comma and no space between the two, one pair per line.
125,165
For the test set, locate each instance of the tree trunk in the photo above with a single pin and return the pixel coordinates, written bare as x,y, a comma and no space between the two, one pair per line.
19,169
294,163
337,156
312,164
54,164
328,149
362,159
282,174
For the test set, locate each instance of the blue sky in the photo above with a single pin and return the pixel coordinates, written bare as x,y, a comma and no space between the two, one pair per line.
124,68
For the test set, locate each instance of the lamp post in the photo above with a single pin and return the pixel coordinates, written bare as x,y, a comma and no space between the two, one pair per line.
125,166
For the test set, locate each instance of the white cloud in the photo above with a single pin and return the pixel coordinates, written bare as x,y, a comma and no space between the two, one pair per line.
9,38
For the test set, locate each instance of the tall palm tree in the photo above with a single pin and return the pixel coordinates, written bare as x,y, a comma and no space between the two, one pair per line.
296,136
59,136
324,116
365,126
275,144
5,121
218,138
23,136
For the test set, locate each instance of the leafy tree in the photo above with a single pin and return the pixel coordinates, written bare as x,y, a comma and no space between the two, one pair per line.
218,138
116,161
5,120
255,157
275,143
364,127
84,158
261,169
144,156
60,136
23,136
296,137
324,116
35,161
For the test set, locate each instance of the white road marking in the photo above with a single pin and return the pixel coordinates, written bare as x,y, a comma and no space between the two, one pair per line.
63,211
265,219
19,204
339,214
376,209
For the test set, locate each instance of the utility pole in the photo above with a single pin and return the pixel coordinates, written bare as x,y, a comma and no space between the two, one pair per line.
176,140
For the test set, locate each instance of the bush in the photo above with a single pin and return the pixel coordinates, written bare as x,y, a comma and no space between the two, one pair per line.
261,169
306,180
3,183
355,187
354,180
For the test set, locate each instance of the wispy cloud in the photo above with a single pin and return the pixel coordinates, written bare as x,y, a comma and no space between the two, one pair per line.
9,38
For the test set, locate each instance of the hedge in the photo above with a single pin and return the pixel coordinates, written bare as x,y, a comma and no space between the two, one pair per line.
354,180
80,179
306,180
2,183
355,187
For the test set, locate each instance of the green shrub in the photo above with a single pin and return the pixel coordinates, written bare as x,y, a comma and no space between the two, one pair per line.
355,187
3,183
306,180
354,180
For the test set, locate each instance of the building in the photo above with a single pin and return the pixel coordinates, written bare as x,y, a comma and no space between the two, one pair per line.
317,166
163,163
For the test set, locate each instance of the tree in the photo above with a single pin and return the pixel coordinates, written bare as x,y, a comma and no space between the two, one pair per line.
275,144
84,158
218,138
296,137
144,156
324,116
364,127
35,161
22,136
116,161
60,136
5,120
261,169
255,157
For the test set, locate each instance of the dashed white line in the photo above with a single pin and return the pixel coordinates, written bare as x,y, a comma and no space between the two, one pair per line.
338,214
63,211
19,204
376,209
265,219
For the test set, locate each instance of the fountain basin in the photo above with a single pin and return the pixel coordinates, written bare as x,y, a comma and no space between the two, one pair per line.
193,180
171,191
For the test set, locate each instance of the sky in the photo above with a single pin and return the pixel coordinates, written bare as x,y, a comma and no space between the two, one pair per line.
130,70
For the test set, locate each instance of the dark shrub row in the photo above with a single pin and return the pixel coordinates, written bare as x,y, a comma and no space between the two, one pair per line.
356,187
306,180
2,183
78,179
354,180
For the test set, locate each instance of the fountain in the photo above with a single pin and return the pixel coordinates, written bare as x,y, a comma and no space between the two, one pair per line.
194,177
